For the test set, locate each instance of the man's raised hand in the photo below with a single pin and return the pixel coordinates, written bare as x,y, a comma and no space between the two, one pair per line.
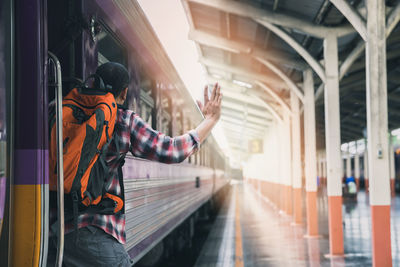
212,105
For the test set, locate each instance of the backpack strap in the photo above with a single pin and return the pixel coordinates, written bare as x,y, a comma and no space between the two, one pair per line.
121,181
75,214
98,80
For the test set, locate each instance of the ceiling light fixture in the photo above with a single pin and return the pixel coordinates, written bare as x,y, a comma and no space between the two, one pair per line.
242,84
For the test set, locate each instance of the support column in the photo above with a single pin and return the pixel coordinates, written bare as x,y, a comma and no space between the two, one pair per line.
366,175
348,162
324,171
321,171
283,168
277,178
333,153
318,167
377,129
357,168
310,155
296,159
289,165
392,167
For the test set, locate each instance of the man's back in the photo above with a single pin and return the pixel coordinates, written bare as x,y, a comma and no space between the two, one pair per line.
135,135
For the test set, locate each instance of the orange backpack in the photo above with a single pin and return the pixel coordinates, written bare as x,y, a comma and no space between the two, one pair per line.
88,118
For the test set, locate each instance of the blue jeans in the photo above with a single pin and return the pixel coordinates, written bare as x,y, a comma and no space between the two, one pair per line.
94,248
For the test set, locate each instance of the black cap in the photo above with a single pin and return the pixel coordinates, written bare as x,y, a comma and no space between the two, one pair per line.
115,75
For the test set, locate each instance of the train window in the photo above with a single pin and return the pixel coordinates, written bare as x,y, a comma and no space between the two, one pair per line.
178,123
202,157
110,48
166,115
147,105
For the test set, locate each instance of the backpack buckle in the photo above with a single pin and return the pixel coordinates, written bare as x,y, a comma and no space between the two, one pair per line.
106,124
75,197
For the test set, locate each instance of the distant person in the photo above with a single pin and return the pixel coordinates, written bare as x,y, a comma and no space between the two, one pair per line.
351,185
101,237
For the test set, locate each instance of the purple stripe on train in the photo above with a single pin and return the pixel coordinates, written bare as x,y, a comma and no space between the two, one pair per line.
30,77
2,196
136,250
31,166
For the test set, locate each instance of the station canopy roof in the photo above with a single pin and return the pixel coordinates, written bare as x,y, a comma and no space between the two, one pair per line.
253,47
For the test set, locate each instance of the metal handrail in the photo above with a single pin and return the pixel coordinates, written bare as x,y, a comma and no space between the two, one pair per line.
60,165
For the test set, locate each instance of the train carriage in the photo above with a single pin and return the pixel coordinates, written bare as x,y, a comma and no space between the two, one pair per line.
83,35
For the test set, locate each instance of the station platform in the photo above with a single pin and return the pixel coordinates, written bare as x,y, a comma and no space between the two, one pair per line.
249,231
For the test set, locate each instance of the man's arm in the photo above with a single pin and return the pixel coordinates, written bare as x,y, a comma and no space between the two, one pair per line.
150,144
211,111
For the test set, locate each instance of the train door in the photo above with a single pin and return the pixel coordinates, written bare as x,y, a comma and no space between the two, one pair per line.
23,138
6,44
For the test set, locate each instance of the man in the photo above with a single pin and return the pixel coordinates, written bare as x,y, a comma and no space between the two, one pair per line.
101,237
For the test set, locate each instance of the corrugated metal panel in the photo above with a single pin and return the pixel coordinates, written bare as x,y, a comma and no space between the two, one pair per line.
245,62
220,73
261,3
277,44
156,194
206,18
245,29
304,9
213,53
334,17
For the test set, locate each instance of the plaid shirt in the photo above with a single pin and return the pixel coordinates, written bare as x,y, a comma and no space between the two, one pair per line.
136,136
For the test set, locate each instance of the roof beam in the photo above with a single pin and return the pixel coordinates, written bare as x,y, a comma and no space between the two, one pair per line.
252,128
246,10
271,92
392,19
314,64
243,130
258,116
352,15
284,77
243,109
239,109
236,137
242,116
258,97
273,112
252,125
236,129
390,55
226,44
208,39
243,72
262,97
250,101
391,22
266,104
226,126
191,22
226,85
